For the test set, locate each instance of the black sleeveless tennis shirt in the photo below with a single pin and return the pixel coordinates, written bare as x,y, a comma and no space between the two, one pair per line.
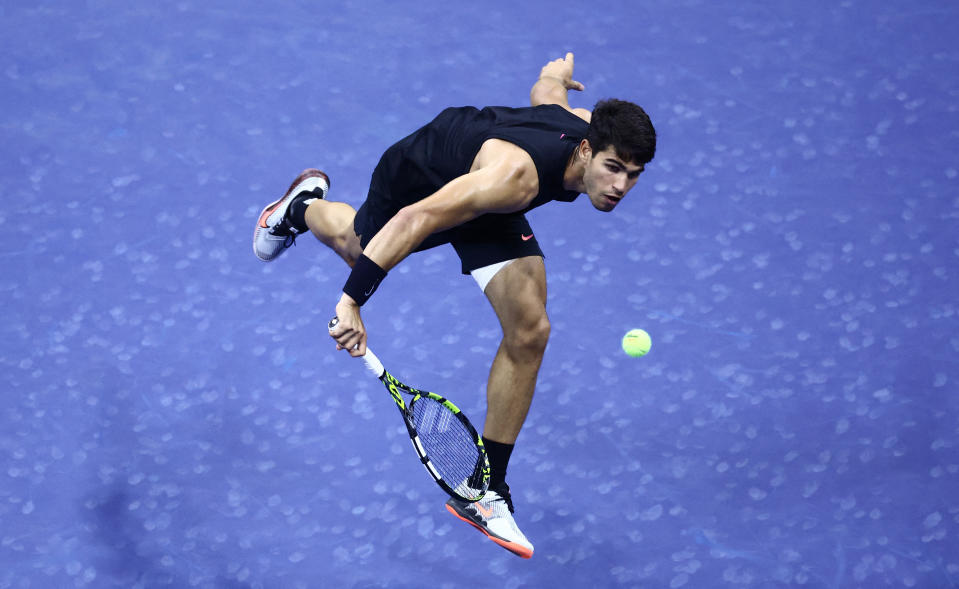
444,149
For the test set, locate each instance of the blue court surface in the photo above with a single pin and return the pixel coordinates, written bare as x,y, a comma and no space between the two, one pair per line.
175,415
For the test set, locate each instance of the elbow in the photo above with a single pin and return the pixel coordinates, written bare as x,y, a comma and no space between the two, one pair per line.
416,222
543,96
408,220
542,92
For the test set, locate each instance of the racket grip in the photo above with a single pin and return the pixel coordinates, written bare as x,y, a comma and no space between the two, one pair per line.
373,363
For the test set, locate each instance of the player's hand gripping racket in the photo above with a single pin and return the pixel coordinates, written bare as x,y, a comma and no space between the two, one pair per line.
444,439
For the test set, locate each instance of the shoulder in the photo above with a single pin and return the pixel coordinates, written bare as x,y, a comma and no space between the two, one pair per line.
563,111
502,153
583,113
512,164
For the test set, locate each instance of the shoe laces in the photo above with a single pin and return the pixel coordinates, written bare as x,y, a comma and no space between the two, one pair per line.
284,229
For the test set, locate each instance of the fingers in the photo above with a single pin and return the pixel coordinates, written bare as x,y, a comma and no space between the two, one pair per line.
565,62
348,339
352,339
355,350
359,349
354,342
573,84
562,69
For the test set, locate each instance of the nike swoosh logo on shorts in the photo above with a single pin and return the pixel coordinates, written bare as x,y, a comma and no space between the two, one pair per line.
526,237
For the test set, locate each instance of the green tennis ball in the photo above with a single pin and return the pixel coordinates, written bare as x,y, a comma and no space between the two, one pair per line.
636,343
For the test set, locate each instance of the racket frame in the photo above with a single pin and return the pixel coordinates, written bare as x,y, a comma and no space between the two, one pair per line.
394,386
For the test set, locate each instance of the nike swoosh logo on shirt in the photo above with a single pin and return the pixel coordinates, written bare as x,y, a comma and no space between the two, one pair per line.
526,237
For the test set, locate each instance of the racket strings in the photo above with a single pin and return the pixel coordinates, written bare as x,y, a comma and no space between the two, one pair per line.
449,444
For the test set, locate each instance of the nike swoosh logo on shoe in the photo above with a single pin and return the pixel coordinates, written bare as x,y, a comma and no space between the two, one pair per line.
515,548
484,511
267,212
306,175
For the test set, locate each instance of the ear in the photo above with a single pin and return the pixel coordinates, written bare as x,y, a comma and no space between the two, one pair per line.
585,150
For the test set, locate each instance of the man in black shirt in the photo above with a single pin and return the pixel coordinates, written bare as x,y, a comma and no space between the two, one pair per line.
467,178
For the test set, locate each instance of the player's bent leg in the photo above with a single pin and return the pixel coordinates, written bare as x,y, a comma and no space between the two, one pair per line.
517,292
518,296
332,224
274,230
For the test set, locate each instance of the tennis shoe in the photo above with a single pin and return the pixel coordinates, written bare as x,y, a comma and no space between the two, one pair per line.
493,515
274,232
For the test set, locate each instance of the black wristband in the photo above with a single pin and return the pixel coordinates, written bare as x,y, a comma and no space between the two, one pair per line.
363,280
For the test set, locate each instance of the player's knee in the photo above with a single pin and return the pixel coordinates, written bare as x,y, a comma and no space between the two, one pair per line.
528,337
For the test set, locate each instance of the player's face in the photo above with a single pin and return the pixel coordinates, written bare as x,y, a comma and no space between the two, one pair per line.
608,177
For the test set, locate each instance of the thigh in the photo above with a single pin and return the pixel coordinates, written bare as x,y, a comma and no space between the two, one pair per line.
518,293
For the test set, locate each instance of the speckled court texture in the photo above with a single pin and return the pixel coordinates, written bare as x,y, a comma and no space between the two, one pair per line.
174,414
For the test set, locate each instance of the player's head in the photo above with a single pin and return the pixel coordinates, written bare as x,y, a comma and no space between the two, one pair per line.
625,127
620,142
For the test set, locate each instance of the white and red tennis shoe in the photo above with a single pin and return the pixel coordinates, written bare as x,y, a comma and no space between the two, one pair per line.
274,232
493,515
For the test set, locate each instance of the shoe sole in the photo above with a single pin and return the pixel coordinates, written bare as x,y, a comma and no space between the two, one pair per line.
517,549
268,210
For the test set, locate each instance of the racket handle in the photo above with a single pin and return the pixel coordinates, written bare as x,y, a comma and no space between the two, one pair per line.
372,362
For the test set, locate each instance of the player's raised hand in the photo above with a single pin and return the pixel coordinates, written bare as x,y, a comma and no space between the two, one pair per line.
562,70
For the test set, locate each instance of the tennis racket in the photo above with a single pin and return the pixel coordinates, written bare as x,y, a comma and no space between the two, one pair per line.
444,439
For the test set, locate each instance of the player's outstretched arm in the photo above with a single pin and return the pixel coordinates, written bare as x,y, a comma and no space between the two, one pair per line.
503,180
553,86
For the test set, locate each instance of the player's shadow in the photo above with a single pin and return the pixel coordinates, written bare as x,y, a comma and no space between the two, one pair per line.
122,539
127,557
126,547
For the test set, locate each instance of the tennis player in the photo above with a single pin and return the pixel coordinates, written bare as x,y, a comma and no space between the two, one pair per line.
466,179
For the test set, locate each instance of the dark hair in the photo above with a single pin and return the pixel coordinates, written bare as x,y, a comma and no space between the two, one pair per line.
626,127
